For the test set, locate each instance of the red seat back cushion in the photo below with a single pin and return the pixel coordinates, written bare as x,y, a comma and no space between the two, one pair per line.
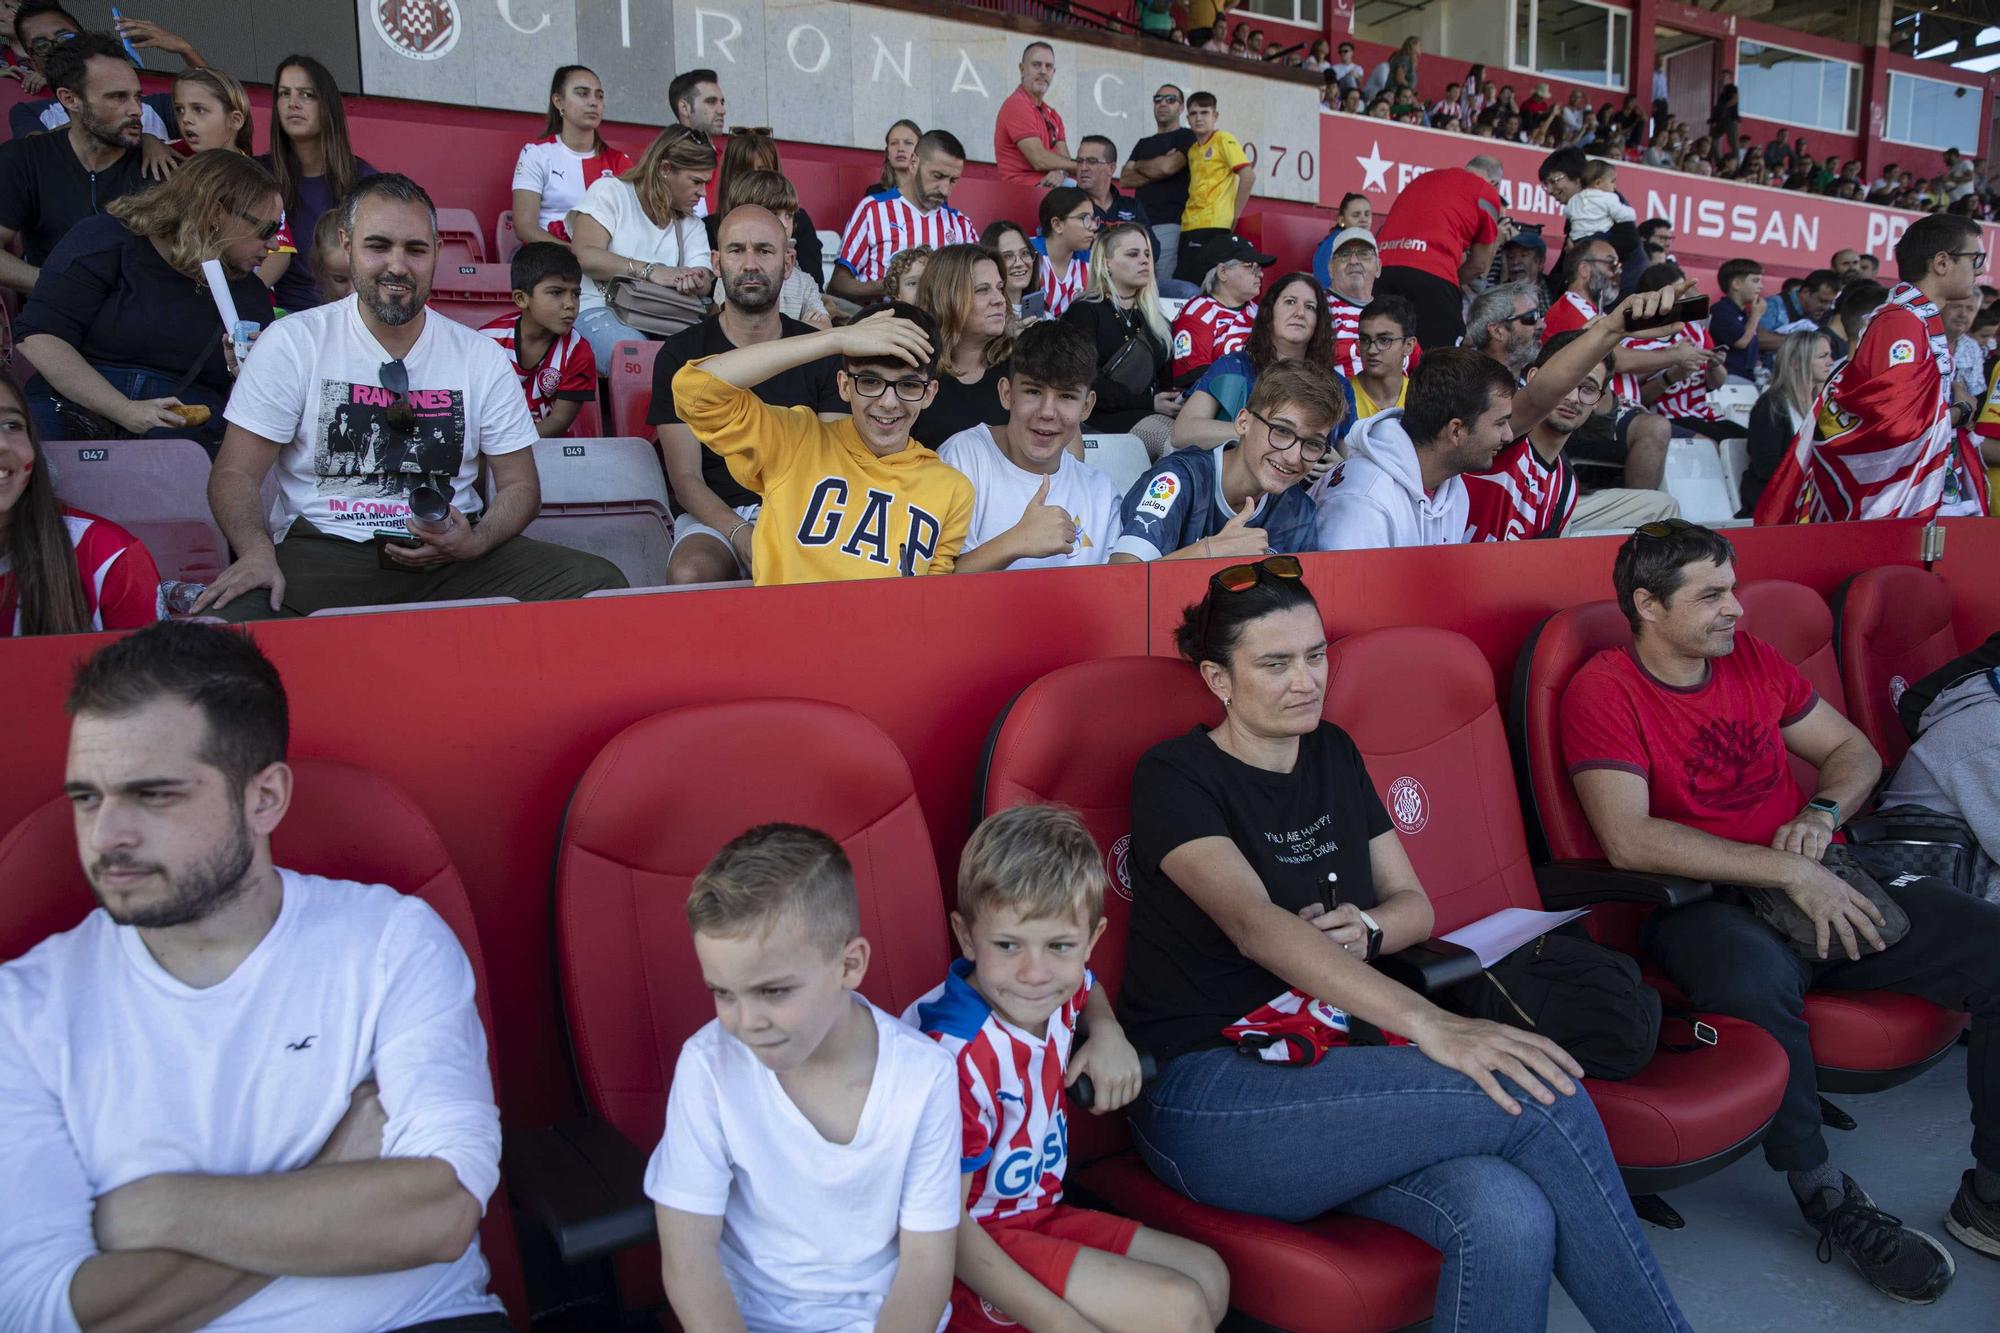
1895,629
654,807
1796,621
1439,761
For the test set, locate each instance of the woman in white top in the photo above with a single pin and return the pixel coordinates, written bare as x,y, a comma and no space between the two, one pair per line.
552,173
640,224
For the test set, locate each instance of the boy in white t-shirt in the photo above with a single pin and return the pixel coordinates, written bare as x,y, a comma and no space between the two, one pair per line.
806,1181
235,1097
1030,908
1035,505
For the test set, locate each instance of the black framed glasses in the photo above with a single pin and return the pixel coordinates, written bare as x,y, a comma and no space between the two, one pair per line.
1978,257
1525,317
1166,99
41,46
1587,392
1368,343
1284,437
873,386
402,413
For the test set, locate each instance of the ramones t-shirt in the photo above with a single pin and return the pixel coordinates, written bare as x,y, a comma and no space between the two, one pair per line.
1306,835
313,382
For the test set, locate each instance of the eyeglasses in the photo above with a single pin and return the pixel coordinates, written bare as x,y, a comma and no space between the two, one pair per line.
1525,317
1165,99
676,133
402,414
1284,437
1978,257
1094,162
872,386
764,130
41,46
1588,392
265,230
1369,344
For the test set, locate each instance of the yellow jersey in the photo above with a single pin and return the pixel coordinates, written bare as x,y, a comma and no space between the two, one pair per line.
833,509
1212,169
1364,406
1986,428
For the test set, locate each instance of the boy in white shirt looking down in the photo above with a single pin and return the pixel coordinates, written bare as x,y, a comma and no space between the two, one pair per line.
806,1182
1035,505
1030,908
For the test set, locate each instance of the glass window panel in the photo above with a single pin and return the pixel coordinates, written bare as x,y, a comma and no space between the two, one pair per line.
1793,88
1933,113
1570,41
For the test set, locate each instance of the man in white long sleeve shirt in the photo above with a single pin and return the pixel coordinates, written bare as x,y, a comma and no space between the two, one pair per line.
235,1096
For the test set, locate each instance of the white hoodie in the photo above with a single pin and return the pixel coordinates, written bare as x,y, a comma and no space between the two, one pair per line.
1379,498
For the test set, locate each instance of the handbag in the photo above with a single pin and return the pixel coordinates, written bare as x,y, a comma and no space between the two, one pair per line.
82,423
1586,998
1911,840
1133,366
653,307
1775,908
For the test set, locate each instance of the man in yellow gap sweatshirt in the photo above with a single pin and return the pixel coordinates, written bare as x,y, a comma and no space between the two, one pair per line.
855,498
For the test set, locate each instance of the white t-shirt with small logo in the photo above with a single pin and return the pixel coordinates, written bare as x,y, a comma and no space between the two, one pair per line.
314,379
111,1070
1002,490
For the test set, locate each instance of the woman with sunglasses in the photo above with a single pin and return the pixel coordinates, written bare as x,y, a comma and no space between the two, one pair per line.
1292,324
1244,498
1020,270
640,224
124,336
1264,868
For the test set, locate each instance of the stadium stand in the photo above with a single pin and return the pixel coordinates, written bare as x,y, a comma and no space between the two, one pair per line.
159,491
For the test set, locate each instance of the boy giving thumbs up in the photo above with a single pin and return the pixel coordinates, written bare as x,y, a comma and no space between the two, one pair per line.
1245,498
1036,504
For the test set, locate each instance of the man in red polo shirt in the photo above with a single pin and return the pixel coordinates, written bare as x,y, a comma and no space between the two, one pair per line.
1030,146
1440,233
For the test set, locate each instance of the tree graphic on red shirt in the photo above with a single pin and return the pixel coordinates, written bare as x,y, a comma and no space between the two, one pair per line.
1719,764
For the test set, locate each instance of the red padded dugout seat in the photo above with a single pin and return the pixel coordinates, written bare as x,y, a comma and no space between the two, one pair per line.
1073,738
345,823
1439,760
631,376
1862,1040
1895,629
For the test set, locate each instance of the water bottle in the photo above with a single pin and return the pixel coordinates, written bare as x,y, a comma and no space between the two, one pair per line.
179,596
430,511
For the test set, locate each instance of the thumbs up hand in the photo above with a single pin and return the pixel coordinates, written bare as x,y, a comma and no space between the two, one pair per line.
1237,537
1044,529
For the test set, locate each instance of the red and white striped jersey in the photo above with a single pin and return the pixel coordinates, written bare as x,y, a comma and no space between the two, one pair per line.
885,224
1683,398
1346,328
1880,442
1059,289
1206,329
1013,1109
1570,312
567,371
1520,496
121,585
553,170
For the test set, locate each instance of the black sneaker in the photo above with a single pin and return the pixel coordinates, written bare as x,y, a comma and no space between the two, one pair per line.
1974,1222
1898,1261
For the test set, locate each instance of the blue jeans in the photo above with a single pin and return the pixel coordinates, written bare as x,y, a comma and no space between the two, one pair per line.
603,330
1386,1133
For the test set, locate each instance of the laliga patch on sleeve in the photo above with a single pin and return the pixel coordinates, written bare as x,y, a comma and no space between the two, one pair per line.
1160,495
1902,352
1183,345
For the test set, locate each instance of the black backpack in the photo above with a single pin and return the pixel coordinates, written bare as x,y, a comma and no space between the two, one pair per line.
1920,696
1586,998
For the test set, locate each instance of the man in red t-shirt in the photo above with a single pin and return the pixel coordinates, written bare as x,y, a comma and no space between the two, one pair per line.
1441,232
1682,752
1030,146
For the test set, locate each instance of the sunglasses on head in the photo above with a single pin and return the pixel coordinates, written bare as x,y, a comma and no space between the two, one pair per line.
1241,578
402,414
1666,527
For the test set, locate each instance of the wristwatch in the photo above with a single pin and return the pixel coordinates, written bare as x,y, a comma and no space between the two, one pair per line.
1374,937
1831,809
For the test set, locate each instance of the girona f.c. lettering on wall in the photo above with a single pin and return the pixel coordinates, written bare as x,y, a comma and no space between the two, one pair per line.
814,72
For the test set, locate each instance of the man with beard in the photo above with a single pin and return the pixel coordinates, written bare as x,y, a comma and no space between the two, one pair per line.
42,28
885,223
49,182
236,1095
1505,323
435,385
715,514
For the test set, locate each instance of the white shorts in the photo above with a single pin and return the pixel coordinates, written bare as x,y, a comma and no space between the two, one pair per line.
686,525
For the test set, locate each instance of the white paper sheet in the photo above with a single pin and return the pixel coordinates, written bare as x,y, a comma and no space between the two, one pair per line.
1496,936
218,287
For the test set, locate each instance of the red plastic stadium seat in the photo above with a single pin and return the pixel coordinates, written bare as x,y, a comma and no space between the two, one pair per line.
155,489
1862,1040
1895,629
472,293
459,238
631,376
651,810
345,823
1440,762
506,242
1794,619
1074,737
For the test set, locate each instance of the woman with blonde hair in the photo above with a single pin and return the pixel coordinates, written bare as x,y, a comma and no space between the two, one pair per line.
640,225
1800,370
1121,311
124,336
963,290
213,111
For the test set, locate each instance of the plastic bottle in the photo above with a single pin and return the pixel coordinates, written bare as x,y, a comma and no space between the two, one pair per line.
179,595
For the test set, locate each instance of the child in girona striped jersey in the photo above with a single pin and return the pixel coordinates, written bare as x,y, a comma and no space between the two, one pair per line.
1030,906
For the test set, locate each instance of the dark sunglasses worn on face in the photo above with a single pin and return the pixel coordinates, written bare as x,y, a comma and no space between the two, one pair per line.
402,414
265,230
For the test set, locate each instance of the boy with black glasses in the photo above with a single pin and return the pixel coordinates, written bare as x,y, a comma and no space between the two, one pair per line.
852,499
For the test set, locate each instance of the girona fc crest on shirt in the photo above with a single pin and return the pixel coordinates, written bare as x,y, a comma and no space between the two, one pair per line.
549,377
419,29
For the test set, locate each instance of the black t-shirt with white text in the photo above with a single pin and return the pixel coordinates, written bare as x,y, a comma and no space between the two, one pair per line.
1306,835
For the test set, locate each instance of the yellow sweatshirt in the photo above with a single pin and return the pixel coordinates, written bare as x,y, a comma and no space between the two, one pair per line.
832,508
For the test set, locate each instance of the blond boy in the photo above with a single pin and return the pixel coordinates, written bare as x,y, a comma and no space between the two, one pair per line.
1030,907
805,1179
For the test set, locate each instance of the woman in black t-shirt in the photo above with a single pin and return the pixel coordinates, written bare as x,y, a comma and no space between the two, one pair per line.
962,289
1264,867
